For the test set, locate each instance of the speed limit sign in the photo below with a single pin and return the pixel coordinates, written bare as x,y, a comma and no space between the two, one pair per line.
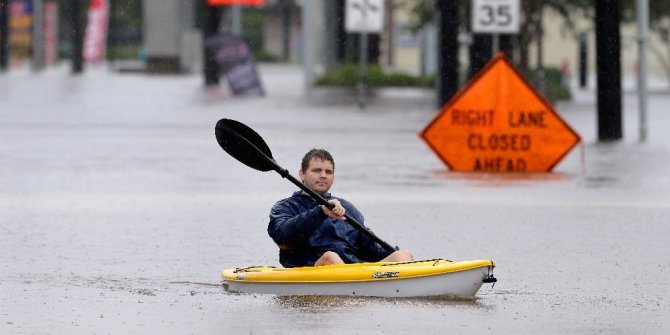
495,16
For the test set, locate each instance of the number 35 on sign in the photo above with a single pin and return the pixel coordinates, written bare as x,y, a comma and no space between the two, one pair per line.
496,16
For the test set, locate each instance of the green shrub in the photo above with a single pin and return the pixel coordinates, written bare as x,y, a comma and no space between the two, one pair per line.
265,57
555,88
122,52
347,75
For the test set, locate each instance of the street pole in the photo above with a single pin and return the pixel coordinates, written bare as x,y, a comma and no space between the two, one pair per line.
211,19
643,36
540,50
37,59
236,20
447,79
608,55
77,37
308,48
583,60
4,35
286,29
362,70
480,52
111,37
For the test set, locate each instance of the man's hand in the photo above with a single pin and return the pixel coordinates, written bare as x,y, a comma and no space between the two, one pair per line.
337,212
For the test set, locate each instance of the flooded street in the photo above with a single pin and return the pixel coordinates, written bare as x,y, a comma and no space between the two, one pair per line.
119,210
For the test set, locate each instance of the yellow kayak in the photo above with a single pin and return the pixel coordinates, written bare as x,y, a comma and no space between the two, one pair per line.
426,278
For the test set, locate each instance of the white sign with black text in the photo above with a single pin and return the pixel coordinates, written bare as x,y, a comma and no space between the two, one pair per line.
496,16
364,16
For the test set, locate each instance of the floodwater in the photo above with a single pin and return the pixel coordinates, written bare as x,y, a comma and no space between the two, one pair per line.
119,210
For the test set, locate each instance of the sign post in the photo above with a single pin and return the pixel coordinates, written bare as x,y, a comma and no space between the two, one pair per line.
37,58
496,17
4,35
642,39
363,17
499,123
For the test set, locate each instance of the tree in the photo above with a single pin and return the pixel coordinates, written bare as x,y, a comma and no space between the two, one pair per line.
659,17
422,12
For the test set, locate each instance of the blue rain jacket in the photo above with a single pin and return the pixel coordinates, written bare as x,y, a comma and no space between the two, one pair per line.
303,233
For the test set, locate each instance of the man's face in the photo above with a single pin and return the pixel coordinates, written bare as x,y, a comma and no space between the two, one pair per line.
319,176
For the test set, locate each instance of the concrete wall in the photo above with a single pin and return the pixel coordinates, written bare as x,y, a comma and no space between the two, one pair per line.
171,43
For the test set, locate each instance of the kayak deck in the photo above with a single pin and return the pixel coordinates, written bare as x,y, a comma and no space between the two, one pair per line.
435,277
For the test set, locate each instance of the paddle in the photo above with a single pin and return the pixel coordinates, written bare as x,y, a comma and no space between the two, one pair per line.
245,145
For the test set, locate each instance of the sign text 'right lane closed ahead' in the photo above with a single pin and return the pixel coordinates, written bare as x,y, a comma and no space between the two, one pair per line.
499,123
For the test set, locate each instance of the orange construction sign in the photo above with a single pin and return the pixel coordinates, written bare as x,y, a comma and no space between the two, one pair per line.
235,2
499,123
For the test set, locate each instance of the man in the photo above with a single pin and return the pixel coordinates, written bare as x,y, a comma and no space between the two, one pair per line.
311,234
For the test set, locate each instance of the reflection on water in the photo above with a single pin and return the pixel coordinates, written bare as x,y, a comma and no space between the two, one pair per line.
326,304
502,179
435,178
319,303
624,165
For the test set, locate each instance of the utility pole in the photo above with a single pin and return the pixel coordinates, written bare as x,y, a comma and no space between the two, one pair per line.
583,59
447,79
212,18
37,58
643,37
332,28
480,52
111,36
77,40
286,8
308,41
236,20
4,35
540,47
608,55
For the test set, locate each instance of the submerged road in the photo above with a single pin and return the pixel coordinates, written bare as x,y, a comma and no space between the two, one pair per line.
119,210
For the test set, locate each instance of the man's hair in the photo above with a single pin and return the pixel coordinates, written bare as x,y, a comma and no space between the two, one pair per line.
316,153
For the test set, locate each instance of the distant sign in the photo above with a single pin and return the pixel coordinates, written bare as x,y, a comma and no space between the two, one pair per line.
364,16
237,63
496,16
20,25
499,123
235,2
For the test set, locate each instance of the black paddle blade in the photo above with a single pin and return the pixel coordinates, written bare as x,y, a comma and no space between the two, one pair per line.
244,144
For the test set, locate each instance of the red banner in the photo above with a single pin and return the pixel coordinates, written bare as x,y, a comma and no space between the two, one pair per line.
96,31
235,2
50,32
